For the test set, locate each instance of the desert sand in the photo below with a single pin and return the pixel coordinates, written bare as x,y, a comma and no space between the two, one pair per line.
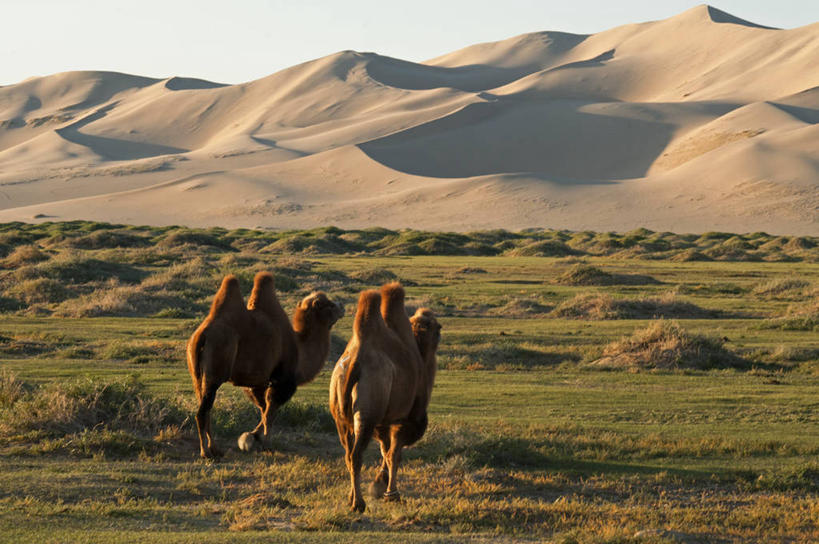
698,122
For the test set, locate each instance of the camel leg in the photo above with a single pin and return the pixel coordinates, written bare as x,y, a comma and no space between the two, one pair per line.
270,409
207,447
379,485
393,458
346,438
256,394
363,433
258,437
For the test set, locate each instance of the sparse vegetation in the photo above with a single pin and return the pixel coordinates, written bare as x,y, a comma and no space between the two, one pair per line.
528,440
602,306
666,345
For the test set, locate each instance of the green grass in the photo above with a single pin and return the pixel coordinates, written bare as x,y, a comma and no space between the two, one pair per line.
528,441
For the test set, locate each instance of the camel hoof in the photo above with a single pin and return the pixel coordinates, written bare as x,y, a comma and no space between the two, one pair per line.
210,455
359,506
248,442
393,496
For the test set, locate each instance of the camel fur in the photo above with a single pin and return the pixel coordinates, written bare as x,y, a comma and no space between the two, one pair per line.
255,347
380,387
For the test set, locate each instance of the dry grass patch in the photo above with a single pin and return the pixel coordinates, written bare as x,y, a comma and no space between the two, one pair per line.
39,291
666,345
521,307
596,306
374,276
82,406
781,288
23,255
543,248
802,316
584,274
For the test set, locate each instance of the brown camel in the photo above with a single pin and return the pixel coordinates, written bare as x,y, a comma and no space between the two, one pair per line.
427,333
256,348
380,386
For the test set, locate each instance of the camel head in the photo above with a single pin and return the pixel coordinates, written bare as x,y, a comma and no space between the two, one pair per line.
318,307
427,331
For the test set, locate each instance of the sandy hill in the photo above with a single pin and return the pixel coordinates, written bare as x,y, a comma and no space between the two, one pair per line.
699,122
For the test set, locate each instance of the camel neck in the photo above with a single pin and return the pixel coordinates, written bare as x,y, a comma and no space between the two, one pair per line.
314,345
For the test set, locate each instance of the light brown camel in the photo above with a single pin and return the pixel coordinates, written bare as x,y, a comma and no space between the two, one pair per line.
379,387
427,333
256,348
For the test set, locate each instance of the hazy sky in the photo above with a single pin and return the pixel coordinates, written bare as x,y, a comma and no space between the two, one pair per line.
243,40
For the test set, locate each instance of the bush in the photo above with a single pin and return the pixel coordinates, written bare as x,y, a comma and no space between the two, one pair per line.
544,248
597,306
374,276
101,239
72,407
798,317
781,287
584,274
666,345
40,290
23,255
181,237
75,268
587,306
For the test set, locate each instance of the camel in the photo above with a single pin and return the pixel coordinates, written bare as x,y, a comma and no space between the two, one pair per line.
381,386
256,348
427,333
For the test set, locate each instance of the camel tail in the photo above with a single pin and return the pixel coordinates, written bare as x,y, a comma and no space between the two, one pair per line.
196,346
350,380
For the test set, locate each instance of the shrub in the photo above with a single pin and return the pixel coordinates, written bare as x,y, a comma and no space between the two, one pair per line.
780,287
666,345
75,268
597,306
181,237
587,306
101,239
23,255
802,316
521,307
543,248
584,274
40,290
72,407
374,276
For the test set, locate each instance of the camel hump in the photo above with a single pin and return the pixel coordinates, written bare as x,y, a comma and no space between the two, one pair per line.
392,297
228,299
368,315
263,296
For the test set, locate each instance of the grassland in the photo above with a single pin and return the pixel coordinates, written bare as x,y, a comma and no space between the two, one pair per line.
529,440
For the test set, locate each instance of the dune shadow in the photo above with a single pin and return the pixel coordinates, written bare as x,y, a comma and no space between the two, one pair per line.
113,148
721,17
189,83
469,77
553,138
806,115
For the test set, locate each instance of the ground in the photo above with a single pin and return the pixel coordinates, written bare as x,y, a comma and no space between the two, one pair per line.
528,439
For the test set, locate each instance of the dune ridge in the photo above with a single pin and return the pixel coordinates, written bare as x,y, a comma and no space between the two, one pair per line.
703,121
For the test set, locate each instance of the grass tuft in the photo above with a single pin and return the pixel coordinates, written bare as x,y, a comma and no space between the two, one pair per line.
666,345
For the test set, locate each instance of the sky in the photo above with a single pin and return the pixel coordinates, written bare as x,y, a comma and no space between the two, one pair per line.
233,42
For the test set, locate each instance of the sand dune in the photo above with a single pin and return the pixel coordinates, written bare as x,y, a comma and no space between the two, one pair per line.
699,122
